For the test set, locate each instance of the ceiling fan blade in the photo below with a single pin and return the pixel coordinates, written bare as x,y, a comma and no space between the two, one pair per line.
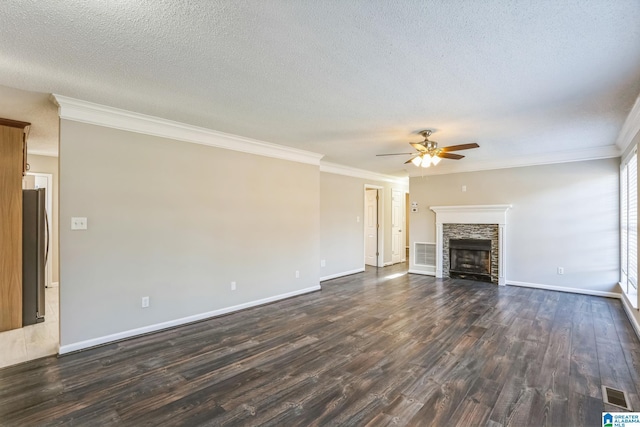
394,154
410,160
418,146
459,147
450,156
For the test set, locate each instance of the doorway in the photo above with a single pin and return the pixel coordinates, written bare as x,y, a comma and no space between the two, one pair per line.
397,226
41,339
373,241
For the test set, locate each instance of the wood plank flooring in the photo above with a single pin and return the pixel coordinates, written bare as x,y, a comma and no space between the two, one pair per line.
368,350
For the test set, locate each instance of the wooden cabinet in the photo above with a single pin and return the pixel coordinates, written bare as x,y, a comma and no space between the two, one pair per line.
12,167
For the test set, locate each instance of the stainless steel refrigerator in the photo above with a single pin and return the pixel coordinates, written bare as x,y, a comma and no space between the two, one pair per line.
35,247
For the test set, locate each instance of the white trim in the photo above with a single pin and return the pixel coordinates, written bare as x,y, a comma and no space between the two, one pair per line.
55,284
68,348
628,308
564,289
471,214
101,115
45,153
630,128
625,160
361,173
423,272
550,158
344,273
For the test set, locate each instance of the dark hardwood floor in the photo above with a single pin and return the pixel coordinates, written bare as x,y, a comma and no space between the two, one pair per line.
369,349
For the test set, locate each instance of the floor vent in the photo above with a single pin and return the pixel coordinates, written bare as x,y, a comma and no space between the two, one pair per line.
615,397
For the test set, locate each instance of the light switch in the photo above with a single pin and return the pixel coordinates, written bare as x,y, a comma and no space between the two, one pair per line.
78,223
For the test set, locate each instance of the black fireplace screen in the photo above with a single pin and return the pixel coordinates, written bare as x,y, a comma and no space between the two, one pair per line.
470,259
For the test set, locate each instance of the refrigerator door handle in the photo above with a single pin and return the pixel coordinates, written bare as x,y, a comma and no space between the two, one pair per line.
46,221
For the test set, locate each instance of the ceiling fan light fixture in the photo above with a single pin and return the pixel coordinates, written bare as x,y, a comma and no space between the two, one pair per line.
429,154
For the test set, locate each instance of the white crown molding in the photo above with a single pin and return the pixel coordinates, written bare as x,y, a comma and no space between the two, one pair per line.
361,173
552,157
630,128
101,115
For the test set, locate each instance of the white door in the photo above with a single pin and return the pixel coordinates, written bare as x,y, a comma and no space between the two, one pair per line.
371,227
397,219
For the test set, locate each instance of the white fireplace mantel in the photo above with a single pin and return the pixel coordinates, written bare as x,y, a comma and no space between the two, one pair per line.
473,214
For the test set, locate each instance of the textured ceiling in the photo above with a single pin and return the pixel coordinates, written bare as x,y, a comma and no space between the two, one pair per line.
347,79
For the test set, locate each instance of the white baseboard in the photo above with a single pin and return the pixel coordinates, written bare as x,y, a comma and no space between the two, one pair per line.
564,289
344,273
423,272
68,348
628,308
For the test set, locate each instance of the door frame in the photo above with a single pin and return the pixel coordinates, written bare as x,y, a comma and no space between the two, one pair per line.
380,258
402,220
49,202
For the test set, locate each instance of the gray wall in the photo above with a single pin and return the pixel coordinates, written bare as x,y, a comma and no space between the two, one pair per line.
564,215
341,236
176,222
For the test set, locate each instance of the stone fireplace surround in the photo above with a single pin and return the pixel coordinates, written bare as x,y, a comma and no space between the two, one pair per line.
471,231
471,214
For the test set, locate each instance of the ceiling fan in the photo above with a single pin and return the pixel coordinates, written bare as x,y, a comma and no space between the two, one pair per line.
428,152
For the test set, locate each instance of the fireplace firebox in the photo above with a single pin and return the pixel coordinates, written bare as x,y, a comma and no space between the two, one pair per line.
470,259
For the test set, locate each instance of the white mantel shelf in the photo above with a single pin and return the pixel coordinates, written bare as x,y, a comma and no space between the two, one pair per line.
472,214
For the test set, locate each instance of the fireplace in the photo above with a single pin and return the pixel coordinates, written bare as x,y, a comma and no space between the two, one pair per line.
482,222
470,259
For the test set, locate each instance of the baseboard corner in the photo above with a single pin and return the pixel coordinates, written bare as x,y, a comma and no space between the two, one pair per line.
563,289
341,274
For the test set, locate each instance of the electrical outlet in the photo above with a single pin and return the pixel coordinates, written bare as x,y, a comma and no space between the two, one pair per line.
560,270
297,274
78,223
357,219
464,188
233,286
323,263
145,302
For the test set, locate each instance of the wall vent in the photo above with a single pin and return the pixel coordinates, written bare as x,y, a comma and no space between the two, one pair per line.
424,254
615,397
